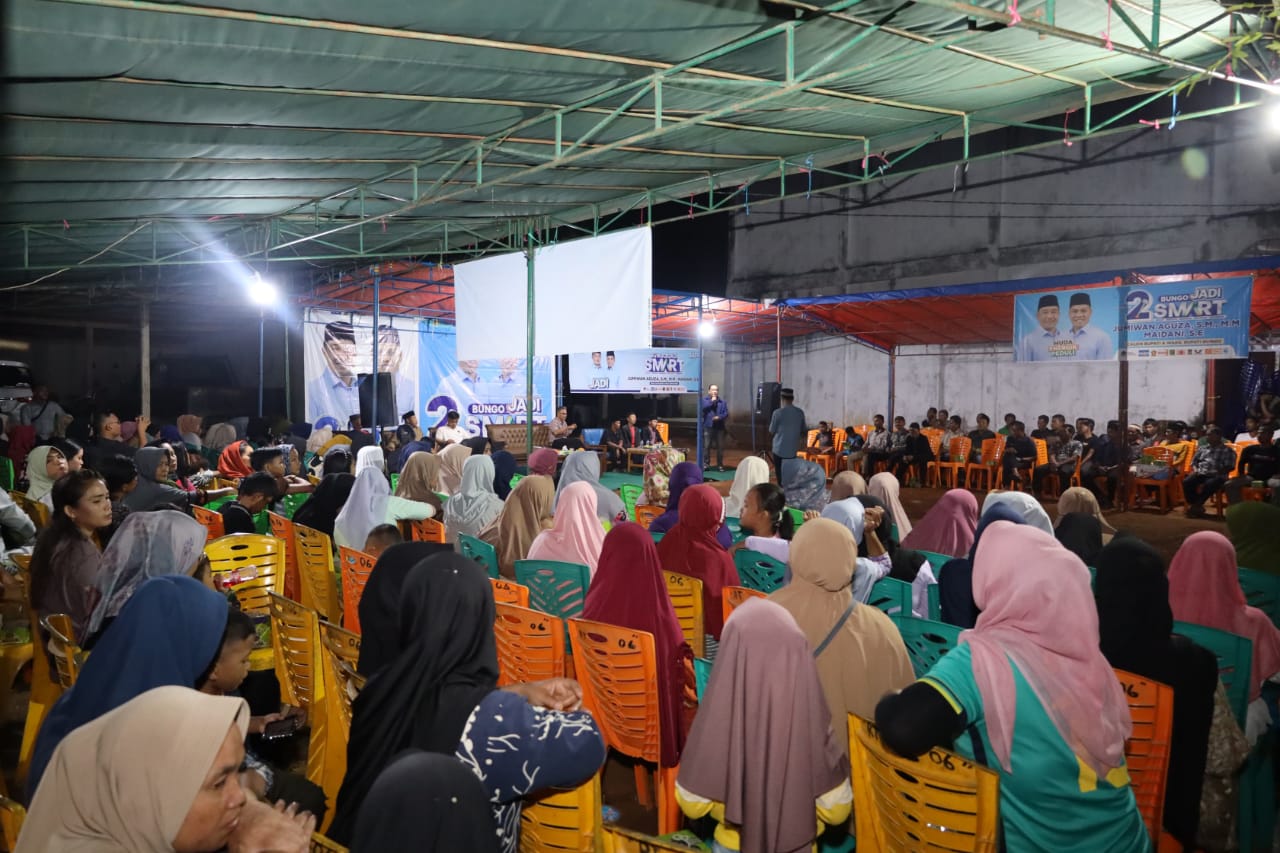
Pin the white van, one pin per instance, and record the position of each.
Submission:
(15, 386)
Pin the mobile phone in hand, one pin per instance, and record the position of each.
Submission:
(280, 729)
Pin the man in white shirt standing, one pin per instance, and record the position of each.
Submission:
(45, 415)
(450, 432)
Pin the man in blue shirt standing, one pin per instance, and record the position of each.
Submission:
(787, 426)
(1092, 344)
(714, 413)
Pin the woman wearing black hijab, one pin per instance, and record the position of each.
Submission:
(379, 605)
(425, 801)
(320, 511)
(1081, 534)
(1135, 625)
(439, 694)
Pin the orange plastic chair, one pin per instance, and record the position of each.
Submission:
(930, 468)
(530, 644)
(282, 529)
(1220, 497)
(1147, 751)
(958, 458)
(562, 820)
(425, 530)
(1168, 490)
(211, 520)
(618, 671)
(355, 568)
(864, 430)
(664, 430)
(241, 552)
(732, 596)
(12, 816)
(509, 592)
(941, 801)
(315, 570)
(988, 469)
(686, 597)
(62, 647)
(646, 513)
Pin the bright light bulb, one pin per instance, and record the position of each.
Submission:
(262, 292)
(706, 329)
(1273, 117)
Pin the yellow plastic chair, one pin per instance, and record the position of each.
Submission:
(45, 690)
(341, 650)
(38, 512)
(618, 840)
(295, 638)
(530, 644)
(62, 646)
(320, 844)
(562, 820)
(618, 670)
(12, 816)
(315, 572)
(241, 552)
(686, 597)
(938, 802)
(282, 529)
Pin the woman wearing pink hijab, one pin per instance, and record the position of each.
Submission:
(1028, 693)
(1204, 589)
(577, 535)
(948, 527)
(885, 486)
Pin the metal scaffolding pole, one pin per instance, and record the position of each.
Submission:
(529, 334)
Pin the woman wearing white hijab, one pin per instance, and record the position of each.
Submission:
(1024, 505)
(371, 457)
(751, 472)
(370, 504)
(475, 507)
(45, 464)
(877, 564)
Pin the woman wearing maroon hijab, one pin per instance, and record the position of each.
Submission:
(691, 548)
(629, 590)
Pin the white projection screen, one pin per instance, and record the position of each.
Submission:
(590, 294)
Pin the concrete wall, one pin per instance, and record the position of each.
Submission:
(840, 380)
(1206, 191)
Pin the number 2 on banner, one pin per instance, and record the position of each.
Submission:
(442, 405)
(1137, 306)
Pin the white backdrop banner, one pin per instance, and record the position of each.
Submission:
(590, 294)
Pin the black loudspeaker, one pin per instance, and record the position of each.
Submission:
(768, 398)
(388, 414)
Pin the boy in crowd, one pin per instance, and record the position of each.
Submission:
(255, 493)
(381, 538)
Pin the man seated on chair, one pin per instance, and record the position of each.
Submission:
(1007, 429)
(953, 428)
(450, 433)
(823, 441)
(917, 454)
(1210, 468)
(615, 440)
(1250, 431)
(979, 435)
(1019, 455)
(1109, 461)
(898, 438)
(1258, 463)
(852, 450)
(1042, 430)
(255, 493)
(876, 448)
(651, 436)
(1062, 461)
(562, 431)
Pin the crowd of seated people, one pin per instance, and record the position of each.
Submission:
(1029, 690)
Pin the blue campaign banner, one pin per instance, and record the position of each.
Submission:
(484, 391)
(1200, 318)
(661, 370)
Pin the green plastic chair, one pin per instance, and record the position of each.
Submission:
(1262, 591)
(936, 560)
(216, 503)
(557, 588)
(6, 474)
(292, 502)
(892, 596)
(657, 537)
(797, 516)
(515, 478)
(759, 571)
(701, 675)
(262, 523)
(735, 528)
(480, 551)
(1235, 661)
(395, 481)
(630, 494)
(935, 602)
(927, 641)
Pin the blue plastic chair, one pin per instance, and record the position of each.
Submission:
(927, 641)
(1261, 590)
(480, 551)
(701, 675)
(759, 571)
(892, 596)
(555, 587)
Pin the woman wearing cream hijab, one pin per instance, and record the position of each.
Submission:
(751, 472)
(865, 657)
(1076, 499)
(158, 774)
(452, 458)
(527, 513)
